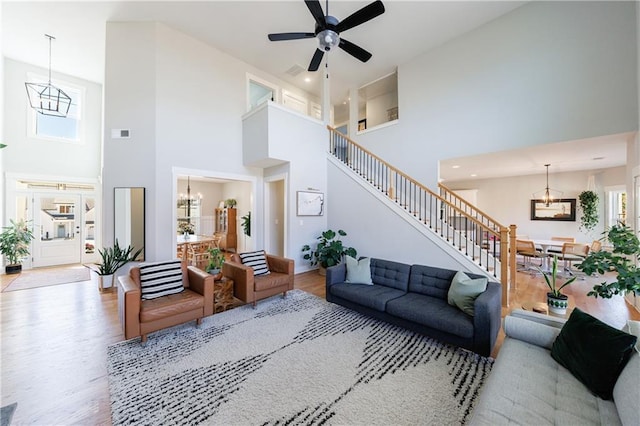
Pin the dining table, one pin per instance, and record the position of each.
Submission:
(183, 242)
(545, 245)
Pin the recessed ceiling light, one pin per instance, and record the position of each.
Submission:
(455, 167)
(307, 79)
(473, 175)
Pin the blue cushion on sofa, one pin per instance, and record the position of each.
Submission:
(371, 296)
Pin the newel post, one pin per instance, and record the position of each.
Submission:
(504, 271)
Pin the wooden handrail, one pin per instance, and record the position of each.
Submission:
(489, 218)
(467, 228)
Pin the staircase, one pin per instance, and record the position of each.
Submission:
(457, 223)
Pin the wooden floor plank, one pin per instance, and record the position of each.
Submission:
(54, 342)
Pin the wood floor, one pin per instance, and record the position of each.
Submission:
(54, 342)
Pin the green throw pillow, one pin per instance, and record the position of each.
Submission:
(358, 272)
(594, 352)
(464, 291)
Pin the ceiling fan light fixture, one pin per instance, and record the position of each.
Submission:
(327, 40)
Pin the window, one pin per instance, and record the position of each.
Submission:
(59, 128)
(616, 207)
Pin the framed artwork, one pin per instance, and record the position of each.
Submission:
(310, 203)
(563, 210)
(362, 125)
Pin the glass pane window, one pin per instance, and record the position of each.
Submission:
(63, 128)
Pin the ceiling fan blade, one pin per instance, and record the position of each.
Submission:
(354, 50)
(316, 11)
(315, 61)
(363, 15)
(289, 36)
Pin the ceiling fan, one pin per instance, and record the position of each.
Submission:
(328, 30)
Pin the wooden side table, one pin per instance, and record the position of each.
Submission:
(222, 294)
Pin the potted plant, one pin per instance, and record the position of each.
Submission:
(556, 301)
(589, 207)
(216, 260)
(623, 259)
(113, 258)
(246, 224)
(230, 203)
(329, 251)
(14, 244)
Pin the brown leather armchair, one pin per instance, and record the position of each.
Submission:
(250, 288)
(140, 317)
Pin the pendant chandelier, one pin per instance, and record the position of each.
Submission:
(548, 196)
(47, 99)
(188, 201)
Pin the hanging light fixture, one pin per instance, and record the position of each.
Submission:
(189, 201)
(548, 195)
(47, 99)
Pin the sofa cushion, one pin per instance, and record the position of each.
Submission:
(626, 392)
(372, 296)
(464, 291)
(358, 271)
(266, 282)
(256, 260)
(390, 274)
(432, 281)
(593, 351)
(432, 312)
(158, 279)
(163, 307)
(526, 386)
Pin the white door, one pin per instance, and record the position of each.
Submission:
(57, 229)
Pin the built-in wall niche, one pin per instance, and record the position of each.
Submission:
(378, 102)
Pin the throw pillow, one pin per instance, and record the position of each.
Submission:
(159, 279)
(464, 291)
(256, 260)
(594, 352)
(358, 271)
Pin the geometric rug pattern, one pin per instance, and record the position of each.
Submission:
(298, 360)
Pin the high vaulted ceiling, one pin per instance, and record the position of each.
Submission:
(406, 30)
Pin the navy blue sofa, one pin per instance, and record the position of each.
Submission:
(415, 297)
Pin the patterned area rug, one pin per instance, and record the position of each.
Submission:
(43, 277)
(299, 360)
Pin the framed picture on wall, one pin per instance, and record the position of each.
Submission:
(362, 125)
(563, 209)
(310, 203)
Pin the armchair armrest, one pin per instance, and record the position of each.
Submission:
(129, 306)
(202, 282)
(487, 318)
(280, 264)
(336, 274)
(242, 277)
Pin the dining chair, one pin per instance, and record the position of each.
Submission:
(527, 249)
(595, 246)
(573, 252)
(198, 254)
(563, 239)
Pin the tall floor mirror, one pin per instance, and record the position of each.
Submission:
(129, 218)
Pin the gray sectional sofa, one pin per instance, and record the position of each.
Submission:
(528, 387)
(415, 297)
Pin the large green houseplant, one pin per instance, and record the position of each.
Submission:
(329, 251)
(14, 244)
(622, 259)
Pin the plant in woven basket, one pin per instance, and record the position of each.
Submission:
(329, 251)
(589, 207)
(623, 259)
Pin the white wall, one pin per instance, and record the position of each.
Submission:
(376, 110)
(508, 200)
(546, 72)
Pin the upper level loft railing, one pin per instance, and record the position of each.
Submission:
(476, 235)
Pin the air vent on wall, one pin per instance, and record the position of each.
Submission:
(120, 133)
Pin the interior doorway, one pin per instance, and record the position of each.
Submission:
(275, 216)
